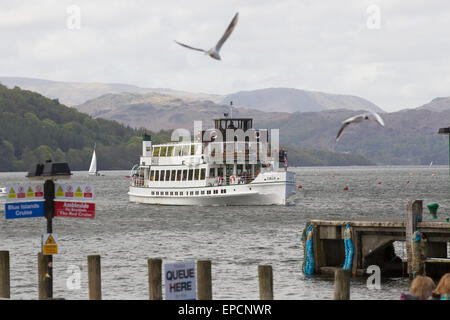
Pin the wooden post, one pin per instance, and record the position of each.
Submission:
(265, 276)
(94, 277)
(42, 277)
(418, 256)
(414, 211)
(204, 283)
(319, 255)
(155, 279)
(342, 284)
(4, 275)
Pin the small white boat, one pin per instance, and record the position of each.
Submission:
(93, 167)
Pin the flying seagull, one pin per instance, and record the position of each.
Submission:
(358, 119)
(214, 52)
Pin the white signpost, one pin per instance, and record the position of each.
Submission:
(180, 281)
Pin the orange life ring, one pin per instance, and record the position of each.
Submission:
(219, 181)
(232, 179)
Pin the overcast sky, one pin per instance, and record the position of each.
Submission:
(395, 53)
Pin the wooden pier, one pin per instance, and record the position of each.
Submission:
(373, 244)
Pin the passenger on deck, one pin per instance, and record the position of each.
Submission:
(421, 289)
(244, 177)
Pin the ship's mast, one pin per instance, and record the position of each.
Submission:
(231, 107)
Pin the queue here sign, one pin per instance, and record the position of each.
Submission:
(180, 281)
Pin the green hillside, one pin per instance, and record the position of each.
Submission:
(34, 129)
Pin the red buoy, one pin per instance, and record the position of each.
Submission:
(299, 186)
(379, 182)
(345, 188)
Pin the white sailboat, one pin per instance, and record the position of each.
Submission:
(93, 167)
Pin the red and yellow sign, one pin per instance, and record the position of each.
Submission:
(70, 209)
(74, 191)
(49, 244)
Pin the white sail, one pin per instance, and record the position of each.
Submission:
(93, 167)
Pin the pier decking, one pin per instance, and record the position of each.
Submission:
(373, 244)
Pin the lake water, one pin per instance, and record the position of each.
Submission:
(235, 239)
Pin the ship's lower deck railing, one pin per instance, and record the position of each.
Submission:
(139, 181)
(230, 180)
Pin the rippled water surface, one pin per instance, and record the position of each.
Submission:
(235, 239)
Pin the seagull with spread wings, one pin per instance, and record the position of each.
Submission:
(360, 118)
(214, 52)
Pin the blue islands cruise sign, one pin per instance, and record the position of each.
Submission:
(31, 209)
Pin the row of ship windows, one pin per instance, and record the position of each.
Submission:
(178, 175)
(188, 193)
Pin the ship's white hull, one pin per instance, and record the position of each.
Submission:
(252, 194)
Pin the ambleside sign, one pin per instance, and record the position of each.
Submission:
(70, 209)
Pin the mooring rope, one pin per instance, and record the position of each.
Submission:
(416, 253)
(308, 254)
(348, 248)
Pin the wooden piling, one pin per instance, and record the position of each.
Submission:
(418, 257)
(43, 282)
(4, 275)
(155, 279)
(414, 211)
(265, 276)
(342, 284)
(204, 283)
(94, 277)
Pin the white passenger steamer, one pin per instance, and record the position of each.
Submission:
(215, 170)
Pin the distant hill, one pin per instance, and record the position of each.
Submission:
(74, 93)
(295, 100)
(267, 100)
(409, 137)
(437, 104)
(159, 111)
